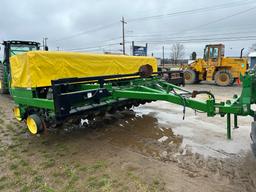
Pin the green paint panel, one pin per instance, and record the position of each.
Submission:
(35, 102)
(27, 93)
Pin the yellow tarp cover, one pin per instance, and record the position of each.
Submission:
(38, 68)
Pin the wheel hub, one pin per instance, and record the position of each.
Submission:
(223, 78)
(188, 76)
(32, 125)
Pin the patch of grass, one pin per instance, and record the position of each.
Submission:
(61, 149)
(14, 154)
(3, 183)
(3, 151)
(10, 127)
(6, 184)
(24, 150)
(57, 174)
(23, 163)
(32, 171)
(17, 173)
(25, 188)
(13, 146)
(45, 142)
(47, 189)
(156, 186)
(84, 168)
(72, 177)
(47, 155)
(99, 165)
(61, 153)
(102, 183)
(3, 179)
(38, 179)
(13, 166)
(1, 121)
(48, 163)
(3, 186)
(37, 184)
(137, 181)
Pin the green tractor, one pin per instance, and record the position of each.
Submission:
(11, 48)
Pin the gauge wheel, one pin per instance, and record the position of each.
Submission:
(223, 78)
(190, 76)
(34, 124)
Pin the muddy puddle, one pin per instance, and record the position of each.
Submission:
(136, 132)
(142, 134)
(157, 127)
(202, 134)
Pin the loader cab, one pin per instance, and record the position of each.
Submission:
(213, 54)
(11, 48)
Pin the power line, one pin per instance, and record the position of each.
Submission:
(93, 47)
(99, 42)
(200, 26)
(241, 38)
(191, 11)
(195, 40)
(99, 28)
(216, 21)
(227, 17)
(167, 32)
(176, 39)
(168, 35)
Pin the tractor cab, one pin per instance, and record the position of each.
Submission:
(11, 48)
(214, 53)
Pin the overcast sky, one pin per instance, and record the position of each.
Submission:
(94, 25)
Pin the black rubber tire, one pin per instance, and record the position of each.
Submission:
(3, 88)
(190, 76)
(233, 82)
(197, 81)
(39, 123)
(223, 78)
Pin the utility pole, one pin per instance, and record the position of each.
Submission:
(163, 56)
(45, 43)
(123, 23)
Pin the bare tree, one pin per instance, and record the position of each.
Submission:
(177, 52)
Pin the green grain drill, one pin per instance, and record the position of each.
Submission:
(89, 96)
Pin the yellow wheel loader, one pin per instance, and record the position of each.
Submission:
(224, 71)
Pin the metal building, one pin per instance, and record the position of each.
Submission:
(252, 59)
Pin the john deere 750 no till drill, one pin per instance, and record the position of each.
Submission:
(51, 87)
